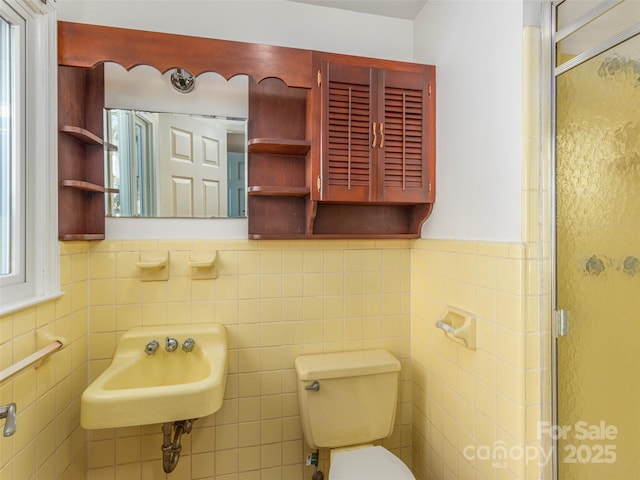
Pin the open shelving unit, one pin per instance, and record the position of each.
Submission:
(278, 187)
(81, 153)
(275, 146)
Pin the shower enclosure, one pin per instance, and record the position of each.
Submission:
(597, 239)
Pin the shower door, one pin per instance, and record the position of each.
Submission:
(598, 264)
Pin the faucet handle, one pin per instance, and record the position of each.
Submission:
(171, 344)
(151, 347)
(9, 412)
(188, 345)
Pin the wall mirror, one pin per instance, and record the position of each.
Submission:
(172, 154)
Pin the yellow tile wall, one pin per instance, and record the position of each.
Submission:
(48, 443)
(301, 298)
(464, 401)
(468, 404)
(277, 299)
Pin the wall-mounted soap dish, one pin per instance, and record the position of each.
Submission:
(459, 325)
(154, 266)
(203, 265)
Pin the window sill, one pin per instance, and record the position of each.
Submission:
(7, 308)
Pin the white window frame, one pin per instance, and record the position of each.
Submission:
(36, 190)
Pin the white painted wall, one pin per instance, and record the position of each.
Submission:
(477, 49)
(272, 22)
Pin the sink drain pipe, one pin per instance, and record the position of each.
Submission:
(171, 449)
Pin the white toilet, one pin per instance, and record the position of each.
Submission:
(347, 401)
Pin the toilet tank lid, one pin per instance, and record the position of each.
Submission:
(345, 364)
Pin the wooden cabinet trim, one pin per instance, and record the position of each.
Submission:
(277, 191)
(87, 45)
(81, 236)
(84, 45)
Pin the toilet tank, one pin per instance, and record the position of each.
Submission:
(356, 399)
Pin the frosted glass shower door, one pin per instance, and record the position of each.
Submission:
(598, 266)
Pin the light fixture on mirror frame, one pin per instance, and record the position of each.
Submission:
(183, 80)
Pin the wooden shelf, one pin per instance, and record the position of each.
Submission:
(83, 135)
(81, 236)
(334, 236)
(279, 191)
(80, 185)
(278, 236)
(279, 146)
(363, 236)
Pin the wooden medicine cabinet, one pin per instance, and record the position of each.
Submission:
(339, 146)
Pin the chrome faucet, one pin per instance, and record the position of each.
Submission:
(9, 412)
(188, 345)
(151, 347)
(171, 344)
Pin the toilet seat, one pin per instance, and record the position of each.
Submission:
(372, 463)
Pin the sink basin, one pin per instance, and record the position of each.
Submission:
(142, 389)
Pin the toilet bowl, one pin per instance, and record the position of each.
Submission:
(369, 463)
(348, 401)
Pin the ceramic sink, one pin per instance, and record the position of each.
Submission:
(145, 385)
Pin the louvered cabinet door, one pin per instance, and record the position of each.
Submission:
(347, 166)
(403, 148)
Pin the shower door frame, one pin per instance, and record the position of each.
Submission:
(556, 70)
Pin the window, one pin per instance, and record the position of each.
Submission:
(28, 246)
(7, 101)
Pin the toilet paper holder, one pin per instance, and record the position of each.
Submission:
(459, 325)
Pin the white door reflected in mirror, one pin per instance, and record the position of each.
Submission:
(193, 168)
(174, 165)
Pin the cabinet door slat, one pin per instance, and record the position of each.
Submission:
(348, 132)
(404, 146)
